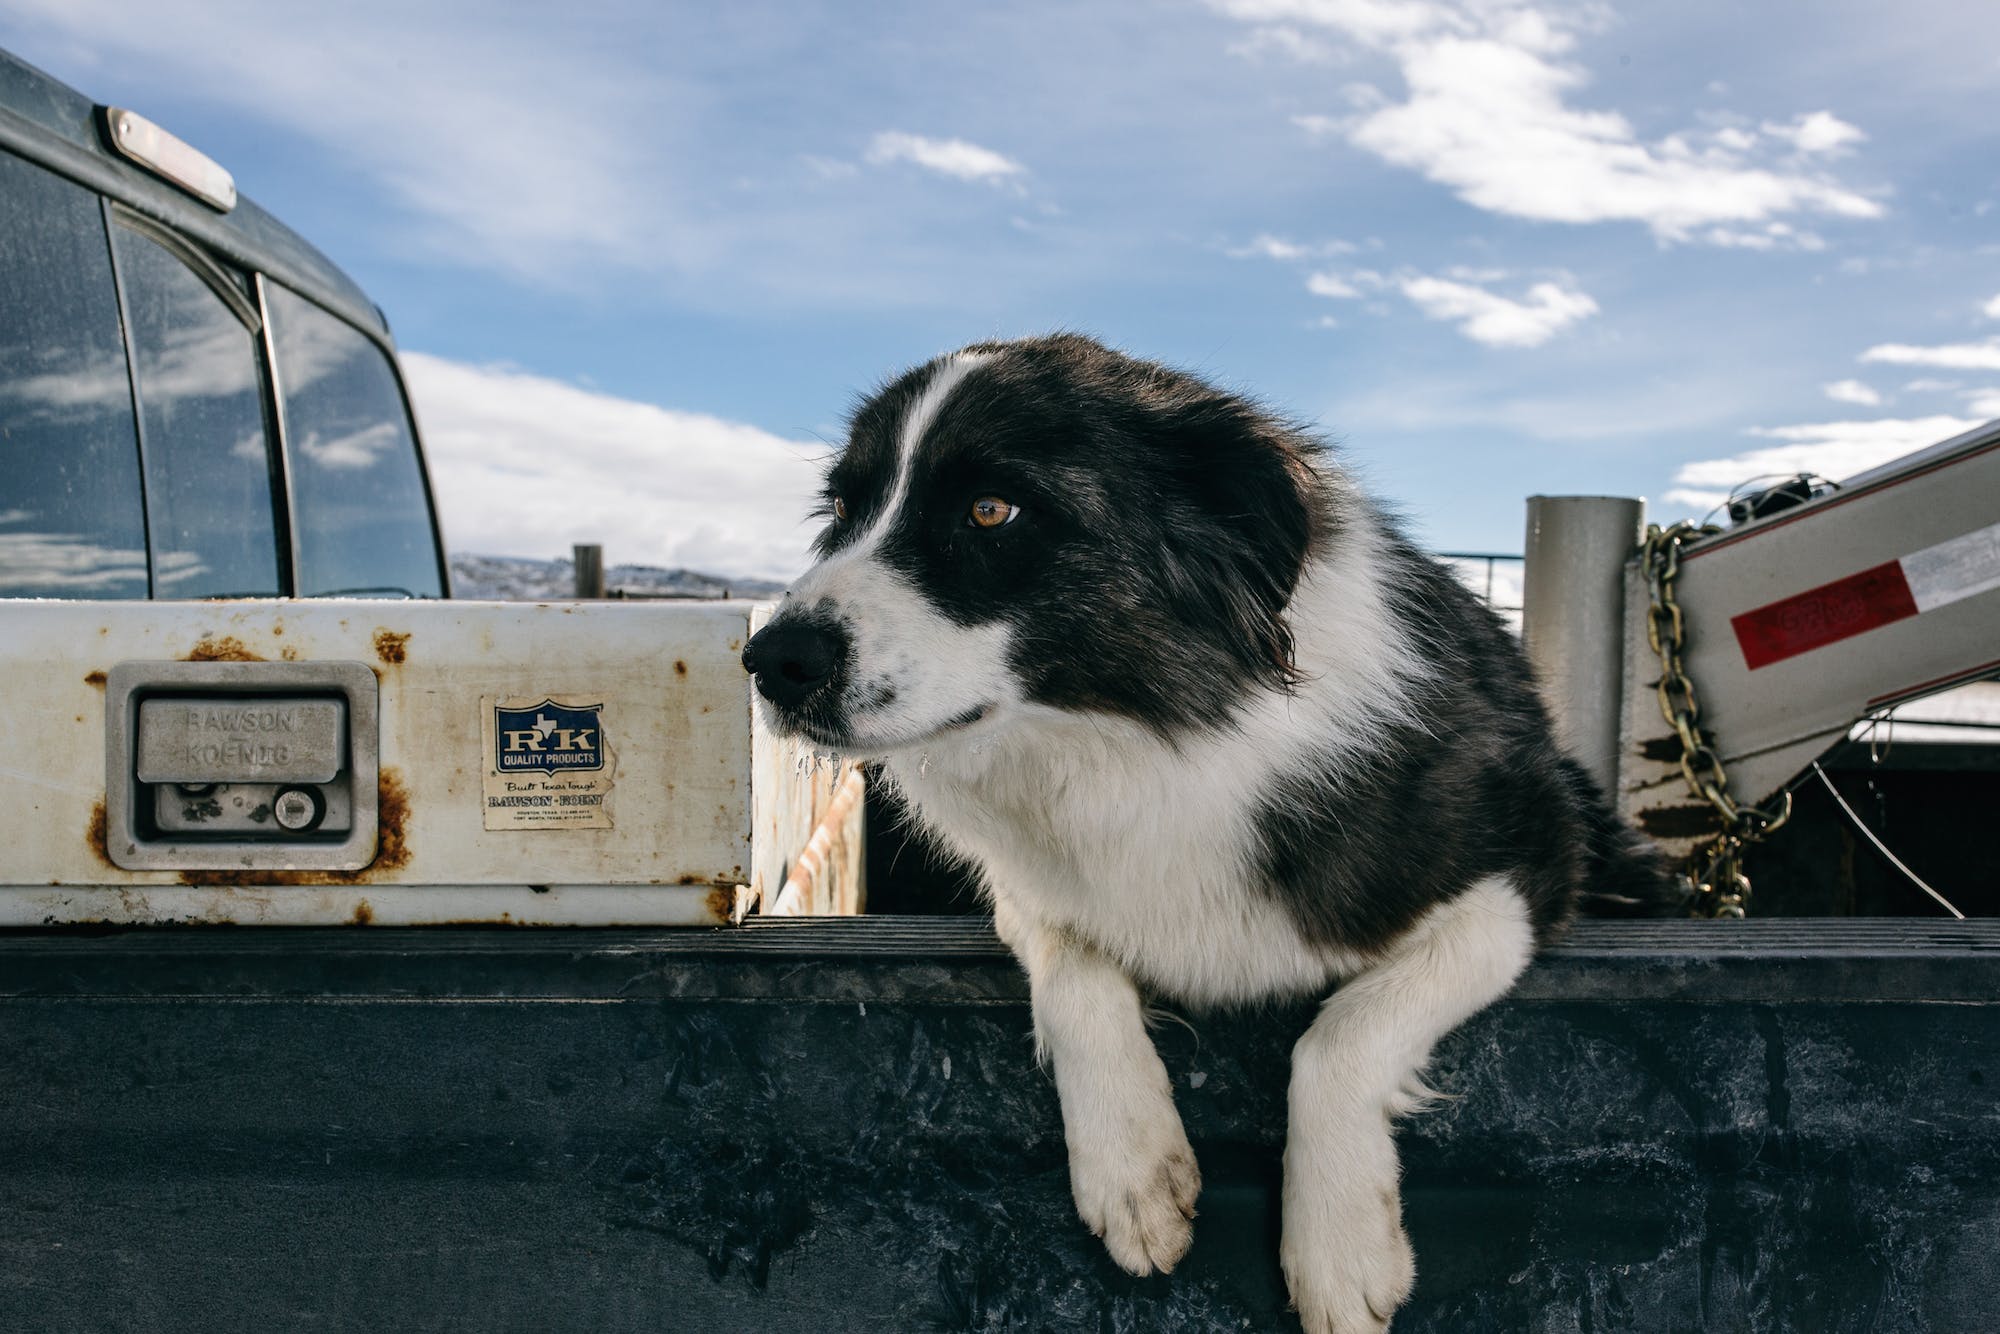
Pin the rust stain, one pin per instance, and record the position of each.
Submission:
(721, 902)
(392, 853)
(392, 647)
(278, 630)
(680, 668)
(93, 837)
(1689, 820)
(688, 880)
(392, 849)
(289, 654)
(364, 914)
(222, 648)
(94, 679)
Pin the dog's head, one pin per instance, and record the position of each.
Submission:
(1043, 522)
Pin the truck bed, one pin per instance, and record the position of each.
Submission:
(822, 1125)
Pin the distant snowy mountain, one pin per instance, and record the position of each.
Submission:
(518, 579)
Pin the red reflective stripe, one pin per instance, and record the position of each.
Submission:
(1824, 615)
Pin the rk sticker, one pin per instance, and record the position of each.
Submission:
(549, 763)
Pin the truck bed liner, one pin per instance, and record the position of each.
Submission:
(822, 1125)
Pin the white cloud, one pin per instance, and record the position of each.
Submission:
(1852, 391)
(1949, 356)
(1488, 114)
(1992, 308)
(494, 135)
(1497, 321)
(1816, 132)
(1266, 246)
(1372, 21)
(1333, 286)
(830, 169)
(948, 157)
(1288, 42)
(65, 565)
(1832, 449)
(527, 466)
(353, 451)
(1984, 402)
(1269, 247)
(1770, 236)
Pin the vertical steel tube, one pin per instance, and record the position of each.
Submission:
(589, 570)
(1573, 617)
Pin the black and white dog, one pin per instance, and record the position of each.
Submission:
(1210, 729)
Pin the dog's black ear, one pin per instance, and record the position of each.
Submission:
(1262, 507)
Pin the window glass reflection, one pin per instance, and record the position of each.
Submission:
(209, 502)
(364, 523)
(71, 523)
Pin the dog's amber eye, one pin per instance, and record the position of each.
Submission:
(991, 512)
(840, 509)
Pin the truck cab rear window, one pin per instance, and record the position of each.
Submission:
(358, 498)
(195, 362)
(71, 523)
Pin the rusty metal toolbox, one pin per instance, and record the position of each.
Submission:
(305, 762)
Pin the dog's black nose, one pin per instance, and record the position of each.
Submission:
(793, 659)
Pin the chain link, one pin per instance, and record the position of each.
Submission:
(1717, 884)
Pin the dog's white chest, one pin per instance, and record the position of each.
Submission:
(1152, 869)
(1193, 935)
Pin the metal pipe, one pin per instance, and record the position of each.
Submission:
(589, 569)
(1573, 617)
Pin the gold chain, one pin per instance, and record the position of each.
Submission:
(1719, 887)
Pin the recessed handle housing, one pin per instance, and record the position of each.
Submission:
(241, 765)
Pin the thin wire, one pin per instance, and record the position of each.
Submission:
(1882, 848)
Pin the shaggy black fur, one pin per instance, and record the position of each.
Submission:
(1479, 788)
(1163, 527)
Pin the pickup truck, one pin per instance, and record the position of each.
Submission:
(371, 960)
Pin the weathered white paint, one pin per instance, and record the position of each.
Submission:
(677, 717)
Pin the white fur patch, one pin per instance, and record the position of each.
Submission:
(910, 437)
(1346, 1258)
(1147, 848)
(1131, 1170)
(913, 670)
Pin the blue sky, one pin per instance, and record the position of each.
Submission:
(641, 258)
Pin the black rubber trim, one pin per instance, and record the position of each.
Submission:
(932, 959)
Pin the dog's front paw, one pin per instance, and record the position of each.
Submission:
(1348, 1262)
(1136, 1190)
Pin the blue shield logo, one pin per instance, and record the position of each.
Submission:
(549, 737)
